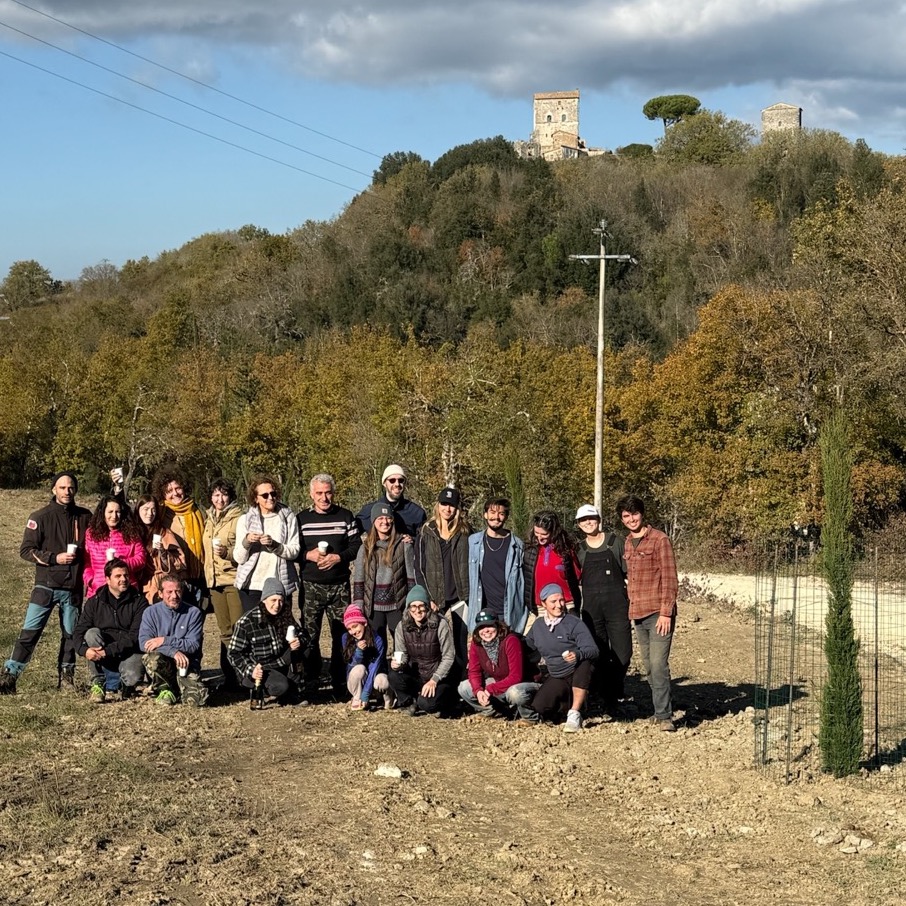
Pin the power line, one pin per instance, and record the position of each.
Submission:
(180, 100)
(168, 119)
(189, 78)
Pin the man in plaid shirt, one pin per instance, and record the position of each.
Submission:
(653, 586)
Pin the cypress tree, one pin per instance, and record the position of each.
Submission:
(840, 734)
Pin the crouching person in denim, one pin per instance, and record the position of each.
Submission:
(495, 687)
(106, 635)
(171, 637)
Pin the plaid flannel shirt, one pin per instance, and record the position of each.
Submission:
(651, 576)
(256, 642)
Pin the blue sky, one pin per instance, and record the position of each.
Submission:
(86, 178)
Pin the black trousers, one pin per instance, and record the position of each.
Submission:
(407, 684)
(608, 622)
(556, 693)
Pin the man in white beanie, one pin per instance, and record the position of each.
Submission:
(408, 516)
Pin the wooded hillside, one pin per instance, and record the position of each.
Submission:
(439, 321)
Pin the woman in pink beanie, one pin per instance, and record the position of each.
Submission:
(366, 662)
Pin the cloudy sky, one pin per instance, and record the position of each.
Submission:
(109, 152)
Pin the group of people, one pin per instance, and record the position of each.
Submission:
(424, 614)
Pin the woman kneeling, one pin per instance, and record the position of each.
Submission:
(366, 665)
(422, 658)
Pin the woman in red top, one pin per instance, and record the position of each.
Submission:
(495, 687)
(550, 557)
(110, 536)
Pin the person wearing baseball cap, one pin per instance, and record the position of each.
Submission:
(605, 605)
(408, 515)
(495, 686)
(54, 543)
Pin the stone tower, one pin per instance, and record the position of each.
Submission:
(556, 123)
(781, 117)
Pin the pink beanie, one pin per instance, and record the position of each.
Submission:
(353, 614)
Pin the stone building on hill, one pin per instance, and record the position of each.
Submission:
(556, 128)
(781, 118)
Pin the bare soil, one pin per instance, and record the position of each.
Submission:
(140, 805)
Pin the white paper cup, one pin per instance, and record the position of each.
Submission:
(322, 547)
(155, 540)
(399, 657)
(183, 672)
(71, 548)
(111, 553)
(290, 633)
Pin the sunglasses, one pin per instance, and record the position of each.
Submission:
(267, 495)
(396, 481)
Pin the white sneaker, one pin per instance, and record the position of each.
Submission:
(573, 722)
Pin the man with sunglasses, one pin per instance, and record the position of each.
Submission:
(408, 517)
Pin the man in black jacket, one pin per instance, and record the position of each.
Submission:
(107, 635)
(54, 541)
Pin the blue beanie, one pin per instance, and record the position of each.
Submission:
(550, 589)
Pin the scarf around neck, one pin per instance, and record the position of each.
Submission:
(193, 522)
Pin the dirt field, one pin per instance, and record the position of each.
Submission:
(143, 806)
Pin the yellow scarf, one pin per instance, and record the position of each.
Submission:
(193, 523)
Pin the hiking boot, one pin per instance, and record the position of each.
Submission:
(96, 694)
(7, 682)
(411, 709)
(66, 680)
(113, 695)
(389, 701)
(573, 722)
(526, 722)
(165, 697)
(666, 726)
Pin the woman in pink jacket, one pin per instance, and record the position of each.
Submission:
(110, 535)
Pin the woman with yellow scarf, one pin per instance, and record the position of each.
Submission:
(183, 517)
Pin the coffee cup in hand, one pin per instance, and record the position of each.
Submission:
(322, 547)
(156, 541)
(71, 548)
(111, 553)
(290, 633)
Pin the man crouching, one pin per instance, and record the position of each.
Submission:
(106, 635)
(171, 637)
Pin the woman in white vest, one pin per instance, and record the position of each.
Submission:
(267, 542)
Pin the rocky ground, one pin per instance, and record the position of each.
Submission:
(132, 803)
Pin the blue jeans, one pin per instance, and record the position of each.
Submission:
(518, 696)
(40, 607)
(655, 650)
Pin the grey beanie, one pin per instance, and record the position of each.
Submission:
(272, 586)
(552, 588)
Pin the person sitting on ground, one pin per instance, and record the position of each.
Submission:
(495, 685)
(171, 637)
(366, 664)
(422, 658)
(267, 644)
(568, 652)
(106, 635)
(109, 536)
(163, 551)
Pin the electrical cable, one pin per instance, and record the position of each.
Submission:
(174, 122)
(180, 100)
(189, 78)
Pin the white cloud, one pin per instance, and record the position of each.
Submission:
(843, 55)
